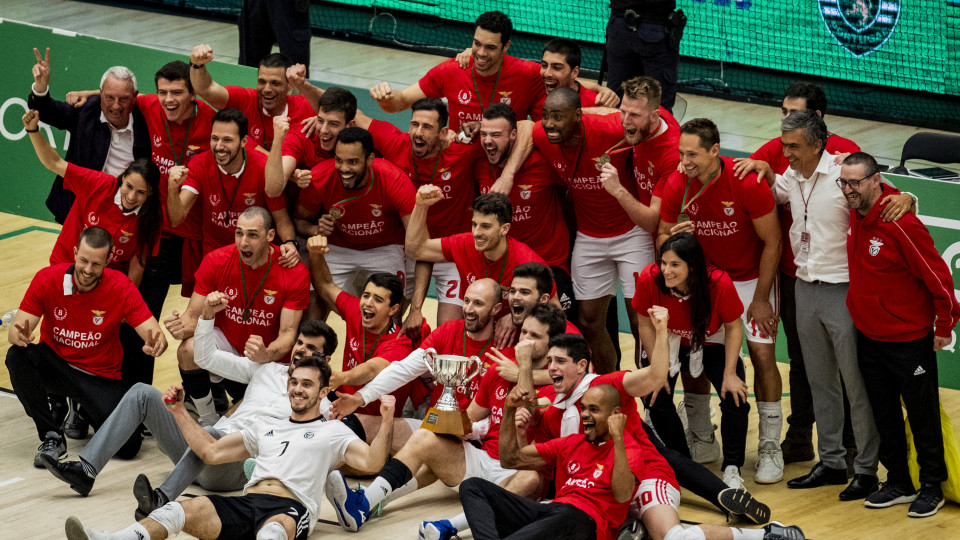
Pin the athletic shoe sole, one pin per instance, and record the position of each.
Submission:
(927, 514)
(74, 529)
(51, 465)
(741, 503)
(143, 492)
(336, 492)
(905, 499)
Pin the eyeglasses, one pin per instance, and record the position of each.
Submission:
(852, 184)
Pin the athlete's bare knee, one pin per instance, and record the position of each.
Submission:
(185, 355)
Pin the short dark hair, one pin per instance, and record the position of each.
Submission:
(262, 213)
(501, 110)
(432, 104)
(317, 361)
(537, 271)
(276, 60)
(150, 217)
(575, 346)
(178, 70)
(355, 134)
(815, 97)
(703, 128)
(568, 48)
(390, 282)
(314, 329)
(96, 237)
(496, 204)
(229, 115)
(565, 97)
(809, 122)
(552, 316)
(337, 99)
(870, 166)
(495, 22)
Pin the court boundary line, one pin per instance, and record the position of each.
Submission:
(25, 230)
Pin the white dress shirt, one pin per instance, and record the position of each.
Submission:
(120, 153)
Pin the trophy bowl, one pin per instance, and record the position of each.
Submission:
(450, 371)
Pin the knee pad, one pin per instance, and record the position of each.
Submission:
(272, 531)
(170, 516)
(679, 532)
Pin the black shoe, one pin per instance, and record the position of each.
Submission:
(861, 486)
(70, 472)
(929, 500)
(75, 426)
(740, 503)
(778, 531)
(53, 445)
(148, 499)
(796, 452)
(820, 475)
(890, 494)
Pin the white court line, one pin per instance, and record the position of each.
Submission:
(10, 481)
(943, 223)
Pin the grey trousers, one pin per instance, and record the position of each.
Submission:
(143, 404)
(829, 342)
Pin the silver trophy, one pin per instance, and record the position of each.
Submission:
(451, 371)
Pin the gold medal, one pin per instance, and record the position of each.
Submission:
(336, 213)
(683, 218)
(604, 159)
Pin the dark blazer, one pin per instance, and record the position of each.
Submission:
(89, 141)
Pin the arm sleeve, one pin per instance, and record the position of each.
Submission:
(551, 450)
(56, 113)
(299, 295)
(82, 180)
(250, 441)
(206, 277)
(208, 357)
(135, 309)
(394, 376)
(925, 262)
(670, 206)
(432, 83)
(32, 302)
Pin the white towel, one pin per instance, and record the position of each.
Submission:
(570, 423)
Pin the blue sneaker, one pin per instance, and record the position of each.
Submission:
(351, 505)
(437, 530)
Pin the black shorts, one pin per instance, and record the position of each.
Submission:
(241, 517)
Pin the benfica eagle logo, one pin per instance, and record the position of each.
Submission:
(860, 26)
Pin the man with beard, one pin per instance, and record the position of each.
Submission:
(530, 287)
(266, 305)
(363, 203)
(79, 354)
(293, 455)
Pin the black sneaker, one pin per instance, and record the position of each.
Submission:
(148, 499)
(53, 445)
(740, 503)
(890, 494)
(928, 501)
(75, 426)
(70, 472)
(778, 531)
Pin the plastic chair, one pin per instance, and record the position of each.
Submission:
(935, 147)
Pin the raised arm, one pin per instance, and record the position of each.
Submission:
(624, 481)
(418, 244)
(179, 200)
(646, 217)
(278, 167)
(47, 154)
(182, 326)
(320, 275)
(392, 101)
(519, 154)
(227, 449)
(205, 352)
(648, 379)
(203, 84)
(297, 77)
(511, 455)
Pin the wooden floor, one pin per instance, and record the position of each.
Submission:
(34, 505)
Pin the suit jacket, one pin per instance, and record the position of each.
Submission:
(89, 141)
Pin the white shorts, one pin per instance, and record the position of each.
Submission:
(446, 279)
(653, 492)
(352, 267)
(745, 290)
(598, 262)
(481, 465)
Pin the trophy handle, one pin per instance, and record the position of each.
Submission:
(474, 360)
(428, 355)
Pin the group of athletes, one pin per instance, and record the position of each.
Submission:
(528, 196)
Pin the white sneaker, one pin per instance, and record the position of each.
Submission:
(703, 450)
(732, 478)
(769, 463)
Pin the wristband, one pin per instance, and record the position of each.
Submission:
(32, 130)
(195, 66)
(179, 398)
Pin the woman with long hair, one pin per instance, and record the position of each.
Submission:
(705, 338)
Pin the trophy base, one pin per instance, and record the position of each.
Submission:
(447, 422)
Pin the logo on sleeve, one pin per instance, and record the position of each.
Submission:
(97, 317)
(875, 245)
(269, 297)
(727, 207)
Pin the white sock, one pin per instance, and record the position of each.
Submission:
(771, 421)
(133, 532)
(205, 407)
(405, 489)
(459, 522)
(747, 534)
(378, 490)
(698, 414)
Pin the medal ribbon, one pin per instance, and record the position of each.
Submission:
(364, 194)
(482, 349)
(503, 266)
(476, 88)
(263, 125)
(363, 341)
(243, 279)
(583, 139)
(684, 204)
(235, 190)
(178, 160)
(416, 172)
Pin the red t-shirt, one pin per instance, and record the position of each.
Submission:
(518, 84)
(261, 123)
(537, 208)
(588, 98)
(373, 220)
(449, 338)
(491, 394)
(84, 328)
(167, 147)
(283, 288)
(723, 214)
(656, 159)
(772, 153)
(223, 197)
(598, 214)
(96, 207)
(725, 305)
(306, 150)
(585, 477)
(473, 265)
(451, 170)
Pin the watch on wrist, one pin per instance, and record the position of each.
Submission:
(295, 242)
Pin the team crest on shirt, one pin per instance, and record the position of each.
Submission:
(92, 219)
(650, 168)
(525, 191)
(445, 174)
(60, 313)
(860, 26)
(214, 199)
(598, 471)
(249, 198)
(124, 236)
(231, 293)
(875, 245)
(157, 141)
(192, 150)
(308, 435)
(572, 468)
(501, 393)
(269, 297)
(375, 209)
(97, 317)
(464, 97)
(505, 97)
(727, 207)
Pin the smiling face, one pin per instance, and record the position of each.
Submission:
(176, 99)
(117, 98)
(272, 88)
(425, 133)
(675, 271)
(88, 265)
(563, 370)
(304, 390)
(802, 155)
(487, 231)
(496, 137)
(487, 51)
(375, 308)
(352, 164)
(865, 195)
(252, 240)
(594, 412)
(306, 346)
(134, 191)
(639, 119)
(522, 297)
(227, 145)
(539, 333)
(556, 72)
(696, 160)
(479, 306)
(329, 126)
(560, 123)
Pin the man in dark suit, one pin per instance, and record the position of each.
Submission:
(107, 132)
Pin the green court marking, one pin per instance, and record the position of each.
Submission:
(26, 230)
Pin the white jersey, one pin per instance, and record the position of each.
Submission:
(298, 454)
